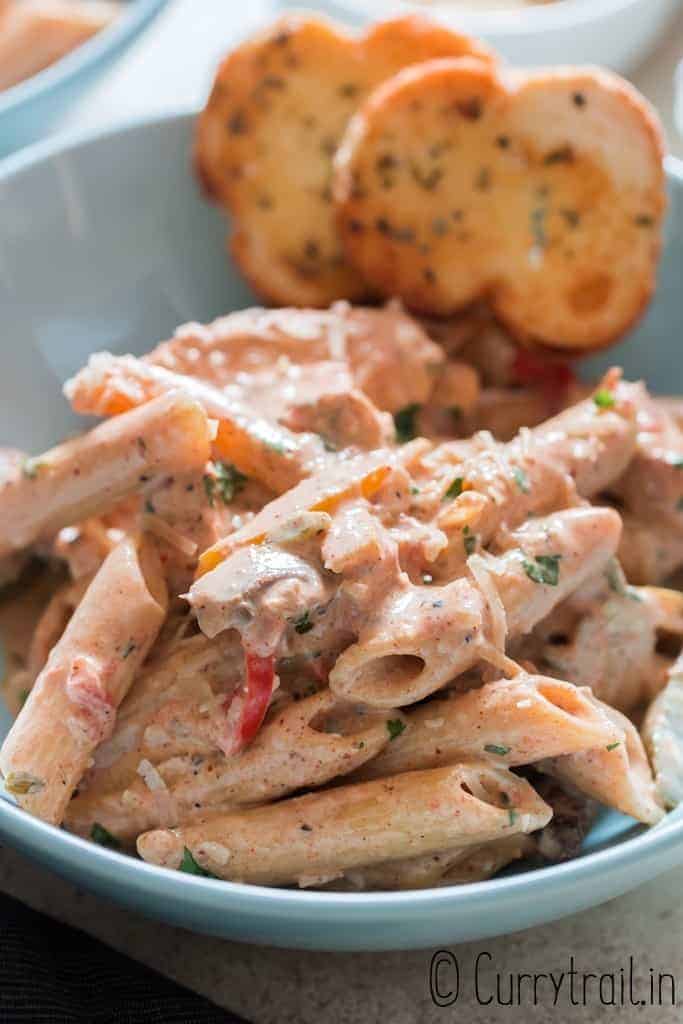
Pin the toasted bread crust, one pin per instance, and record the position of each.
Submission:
(266, 140)
(542, 192)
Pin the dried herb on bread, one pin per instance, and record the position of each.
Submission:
(266, 141)
(541, 192)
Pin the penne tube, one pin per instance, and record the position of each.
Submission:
(303, 745)
(452, 867)
(650, 551)
(36, 33)
(542, 470)
(423, 637)
(196, 666)
(266, 451)
(515, 721)
(390, 356)
(72, 706)
(663, 737)
(85, 476)
(595, 441)
(315, 838)
(617, 775)
(612, 647)
(361, 476)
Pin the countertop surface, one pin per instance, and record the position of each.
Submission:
(633, 934)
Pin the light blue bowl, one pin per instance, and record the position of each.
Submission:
(28, 109)
(106, 243)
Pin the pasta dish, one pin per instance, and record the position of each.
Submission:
(385, 622)
(367, 595)
(36, 33)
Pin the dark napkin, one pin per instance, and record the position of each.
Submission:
(52, 974)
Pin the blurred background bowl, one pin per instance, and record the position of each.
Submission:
(28, 109)
(618, 34)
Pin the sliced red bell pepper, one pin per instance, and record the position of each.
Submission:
(553, 377)
(247, 707)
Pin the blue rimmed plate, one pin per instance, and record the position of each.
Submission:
(106, 243)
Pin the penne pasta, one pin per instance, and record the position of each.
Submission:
(72, 706)
(452, 867)
(303, 745)
(401, 656)
(617, 774)
(663, 737)
(515, 721)
(315, 838)
(86, 476)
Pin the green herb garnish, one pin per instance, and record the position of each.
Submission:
(543, 569)
(225, 483)
(149, 508)
(30, 467)
(494, 748)
(613, 746)
(604, 399)
(395, 727)
(128, 650)
(99, 834)
(469, 541)
(617, 581)
(455, 490)
(190, 866)
(303, 623)
(521, 479)
(404, 422)
(512, 815)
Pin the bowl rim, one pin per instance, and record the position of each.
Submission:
(125, 27)
(37, 836)
(541, 17)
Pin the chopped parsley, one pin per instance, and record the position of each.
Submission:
(128, 650)
(414, 490)
(604, 399)
(543, 569)
(275, 446)
(521, 479)
(512, 815)
(455, 489)
(469, 541)
(30, 467)
(495, 748)
(617, 581)
(225, 483)
(613, 746)
(404, 422)
(395, 727)
(149, 508)
(99, 834)
(190, 866)
(303, 623)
